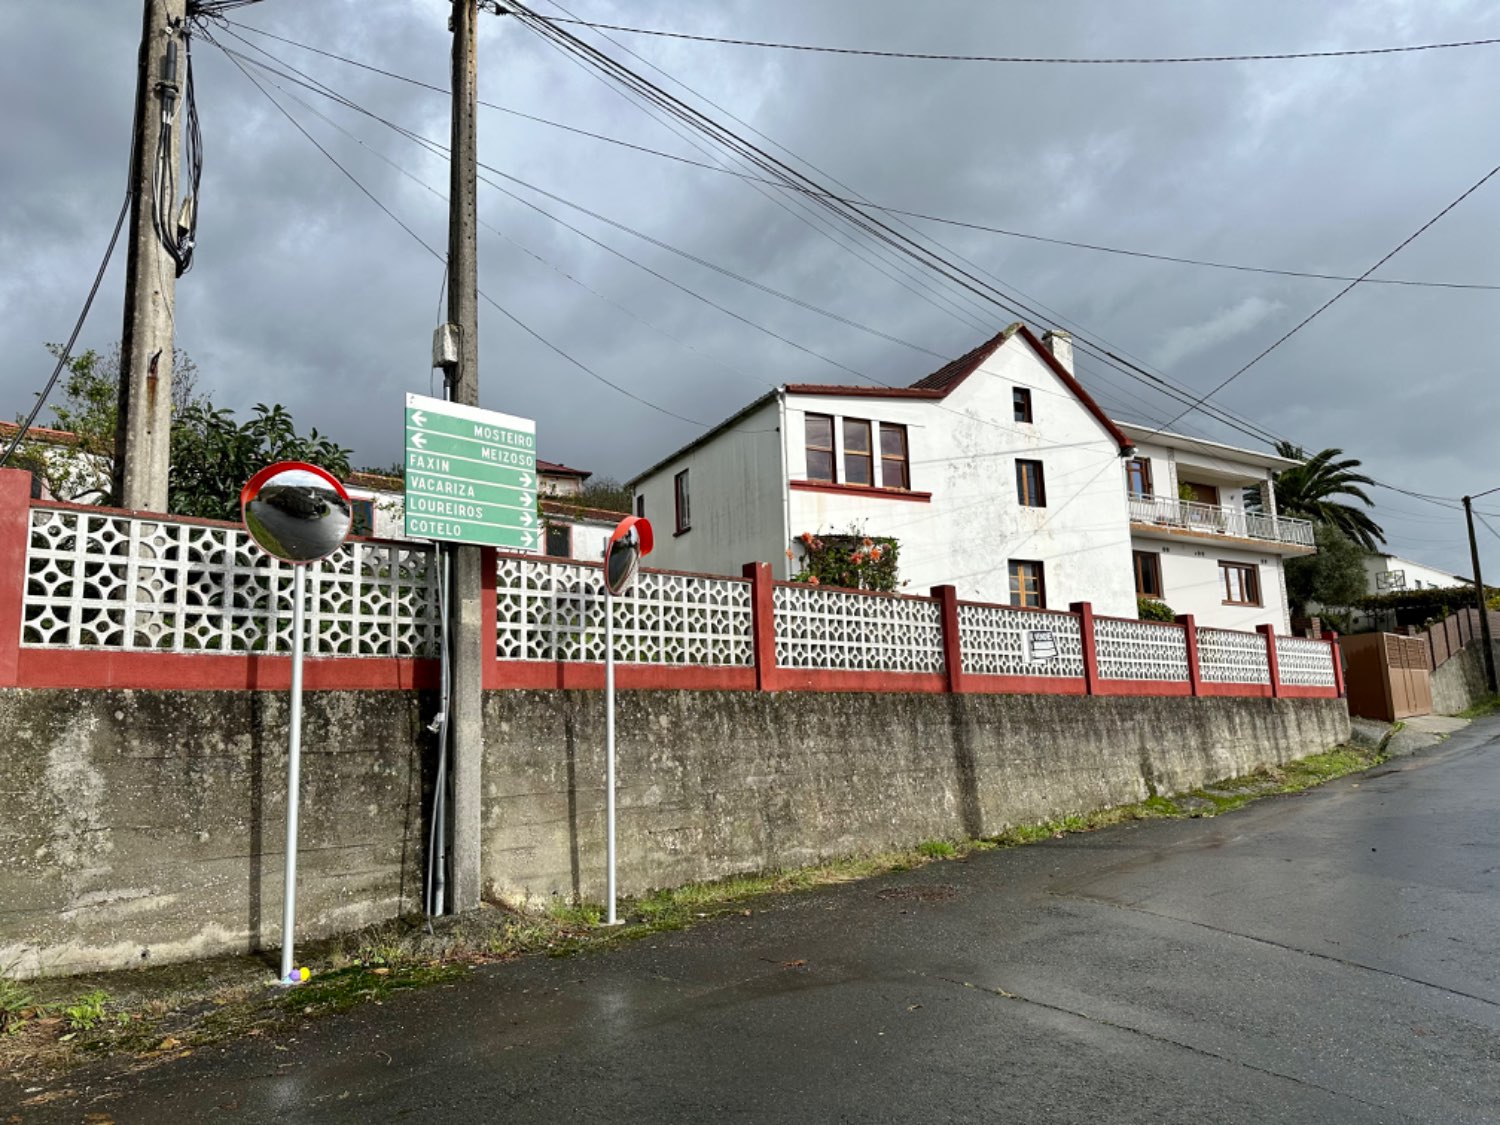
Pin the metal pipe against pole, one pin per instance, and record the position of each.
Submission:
(609, 748)
(293, 776)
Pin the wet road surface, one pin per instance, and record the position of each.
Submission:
(1329, 957)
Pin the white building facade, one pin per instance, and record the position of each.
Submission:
(997, 474)
(1197, 543)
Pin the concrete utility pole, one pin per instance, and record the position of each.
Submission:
(466, 704)
(144, 425)
(1484, 613)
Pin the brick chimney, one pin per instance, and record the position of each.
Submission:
(1061, 345)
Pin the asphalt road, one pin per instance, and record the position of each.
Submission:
(1330, 957)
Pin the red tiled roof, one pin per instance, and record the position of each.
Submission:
(41, 433)
(860, 392)
(946, 379)
(951, 374)
(553, 469)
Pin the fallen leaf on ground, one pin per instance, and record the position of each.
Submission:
(800, 963)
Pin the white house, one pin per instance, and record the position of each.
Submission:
(1196, 544)
(998, 474)
(1386, 574)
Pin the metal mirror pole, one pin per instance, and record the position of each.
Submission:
(609, 745)
(293, 775)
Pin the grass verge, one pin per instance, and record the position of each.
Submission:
(49, 1026)
(1486, 705)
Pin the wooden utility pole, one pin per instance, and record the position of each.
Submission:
(466, 704)
(144, 425)
(1484, 614)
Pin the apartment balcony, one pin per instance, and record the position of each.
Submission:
(1175, 518)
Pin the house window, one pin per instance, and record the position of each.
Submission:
(1027, 587)
(1147, 574)
(684, 513)
(820, 455)
(1020, 398)
(560, 540)
(1138, 476)
(640, 505)
(364, 517)
(895, 468)
(1201, 493)
(859, 460)
(1030, 490)
(1241, 583)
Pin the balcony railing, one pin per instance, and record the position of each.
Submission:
(1210, 519)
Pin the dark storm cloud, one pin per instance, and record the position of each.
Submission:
(304, 293)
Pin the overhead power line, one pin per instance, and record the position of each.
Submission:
(1326, 305)
(935, 262)
(442, 258)
(1144, 60)
(66, 353)
(963, 224)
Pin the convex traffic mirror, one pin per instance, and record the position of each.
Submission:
(622, 554)
(296, 512)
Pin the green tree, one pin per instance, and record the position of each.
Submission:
(88, 408)
(213, 456)
(1333, 578)
(1312, 490)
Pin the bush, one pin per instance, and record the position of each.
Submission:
(854, 561)
(1149, 609)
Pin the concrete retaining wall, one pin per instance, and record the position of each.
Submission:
(717, 783)
(140, 827)
(1458, 683)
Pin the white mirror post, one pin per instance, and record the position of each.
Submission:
(299, 514)
(293, 777)
(609, 750)
(622, 555)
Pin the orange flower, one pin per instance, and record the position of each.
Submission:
(876, 552)
(857, 558)
(807, 538)
(867, 542)
(813, 580)
(789, 553)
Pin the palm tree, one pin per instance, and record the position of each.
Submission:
(1309, 490)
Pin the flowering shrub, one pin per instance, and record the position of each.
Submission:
(854, 561)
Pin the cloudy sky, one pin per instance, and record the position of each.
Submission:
(304, 293)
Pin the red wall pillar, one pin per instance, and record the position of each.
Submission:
(1085, 611)
(953, 655)
(762, 623)
(15, 531)
(488, 630)
(1335, 650)
(1195, 670)
(1269, 632)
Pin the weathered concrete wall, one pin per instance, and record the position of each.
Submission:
(139, 827)
(1458, 683)
(717, 783)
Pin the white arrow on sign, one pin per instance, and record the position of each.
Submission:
(419, 440)
(526, 519)
(419, 418)
(525, 480)
(524, 498)
(528, 539)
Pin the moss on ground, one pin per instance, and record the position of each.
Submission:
(48, 1026)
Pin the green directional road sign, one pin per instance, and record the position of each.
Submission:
(470, 475)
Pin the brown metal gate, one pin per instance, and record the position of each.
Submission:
(1387, 676)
